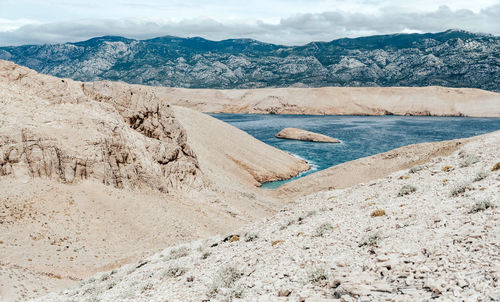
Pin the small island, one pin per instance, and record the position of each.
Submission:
(304, 135)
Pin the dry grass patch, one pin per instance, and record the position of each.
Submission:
(447, 168)
(378, 213)
(496, 167)
(277, 242)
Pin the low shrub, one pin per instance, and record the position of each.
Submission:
(226, 277)
(468, 160)
(323, 229)
(480, 175)
(174, 271)
(406, 189)
(251, 237)
(179, 252)
(417, 168)
(460, 189)
(370, 239)
(480, 206)
(318, 275)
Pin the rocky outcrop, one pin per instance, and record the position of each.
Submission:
(119, 134)
(71, 132)
(304, 135)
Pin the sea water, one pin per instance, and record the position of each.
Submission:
(360, 136)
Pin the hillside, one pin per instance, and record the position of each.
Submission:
(453, 59)
(93, 177)
(429, 232)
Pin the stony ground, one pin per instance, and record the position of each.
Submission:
(428, 233)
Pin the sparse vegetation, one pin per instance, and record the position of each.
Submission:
(417, 168)
(370, 239)
(318, 275)
(496, 167)
(311, 213)
(226, 277)
(179, 252)
(468, 160)
(289, 223)
(447, 168)
(378, 213)
(205, 255)
(323, 229)
(406, 189)
(460, 189)
(481, 205)
(481, 175)
(174, 271)
(251, 237)
(276, 242)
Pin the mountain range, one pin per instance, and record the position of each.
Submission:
(453, 58)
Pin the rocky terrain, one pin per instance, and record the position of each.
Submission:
(453, 59)
(428, 232)
(93, 176)
(96, 177)
(304, 135)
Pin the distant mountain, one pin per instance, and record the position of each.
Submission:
(452, 58)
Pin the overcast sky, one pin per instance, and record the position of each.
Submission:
(290, 22)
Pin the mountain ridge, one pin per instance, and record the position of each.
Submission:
(454, 58)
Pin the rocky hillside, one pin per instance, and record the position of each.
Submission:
(428, 232)
(96, 175)
(452, 58)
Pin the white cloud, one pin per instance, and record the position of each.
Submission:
(298, 28)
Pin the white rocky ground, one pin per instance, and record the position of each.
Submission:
(434, 242)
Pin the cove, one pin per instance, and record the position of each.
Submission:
(360, 136)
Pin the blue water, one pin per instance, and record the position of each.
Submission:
(360, 136)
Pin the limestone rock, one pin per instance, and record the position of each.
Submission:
(304, 135)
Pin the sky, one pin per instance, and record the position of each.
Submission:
(287, 22)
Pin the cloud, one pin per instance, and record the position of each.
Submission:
(294, 30)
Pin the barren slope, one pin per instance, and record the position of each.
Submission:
(93, 176)
(341, 100)
(431, 232)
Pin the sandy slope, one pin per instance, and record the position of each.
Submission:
(95, 176)
(415, 235)
(340, 100)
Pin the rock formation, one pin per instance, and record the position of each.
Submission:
(96, 175)
(304, 135)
